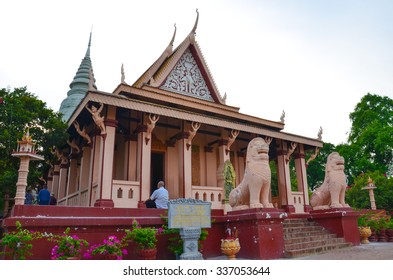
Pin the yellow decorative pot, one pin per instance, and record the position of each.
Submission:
(365, 233)
(230, 247)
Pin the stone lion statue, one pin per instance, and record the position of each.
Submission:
(331, 194)
(254, 189)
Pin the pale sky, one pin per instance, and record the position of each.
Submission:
(313, 59)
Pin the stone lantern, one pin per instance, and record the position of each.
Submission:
(370, 187)
(26, 152)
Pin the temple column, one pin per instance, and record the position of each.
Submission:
(185, 165)
(172, 170)
(144, 156)
(240, 167)
(105, 175)
(284, 177)
(211, 165)
(72, 174)
(55, 181)
(85, 168)
(49, 180)
(84, 176)
(301, 176)
(143, 165)
(63, 179)
(130, 163)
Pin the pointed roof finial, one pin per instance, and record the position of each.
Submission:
(122, 74)
(320, 133)
(88, 46)
(83, 81)
(168, 50)
(282, 118)
(173, 37)
(196, 23)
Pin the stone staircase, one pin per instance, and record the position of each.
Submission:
(303, 237)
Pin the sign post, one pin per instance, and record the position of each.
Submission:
(189, 215)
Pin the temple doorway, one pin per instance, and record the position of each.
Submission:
(157, 170)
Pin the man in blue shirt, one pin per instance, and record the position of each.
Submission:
(44, 196)
(159, 198)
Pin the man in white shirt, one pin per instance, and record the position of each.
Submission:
(159, 198)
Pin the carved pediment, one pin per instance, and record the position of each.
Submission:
(186, 78)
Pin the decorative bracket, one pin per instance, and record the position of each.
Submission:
(153, 118)
(74, 146)
(231, 139)
(97, 118)
(313, 156)
(290, 152)
(268, 140)
(192, 132)
(82, 132)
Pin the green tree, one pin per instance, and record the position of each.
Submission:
(371, 135)
(20, 109)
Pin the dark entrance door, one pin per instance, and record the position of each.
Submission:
(157, 170)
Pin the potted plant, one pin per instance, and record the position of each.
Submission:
(19, 243)
(389, 230)
(382, 226)
(229, 178)
(374, 226)
(111, 248)
(364, 229)
(68, 246)
(145, 238)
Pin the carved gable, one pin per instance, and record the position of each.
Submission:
(187, 79)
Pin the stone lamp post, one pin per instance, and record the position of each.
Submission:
(26, 152)
(370, 187)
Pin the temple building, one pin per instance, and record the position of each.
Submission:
(171, 124)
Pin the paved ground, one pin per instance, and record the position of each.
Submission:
(371, 251)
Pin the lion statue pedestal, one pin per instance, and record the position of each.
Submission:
(253, 191)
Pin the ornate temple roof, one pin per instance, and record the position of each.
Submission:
(179, 85)
(183, 70)
(82, 82)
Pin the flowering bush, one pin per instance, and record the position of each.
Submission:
(19, 242)
(110, 246)
(68, 246)
(144, 237)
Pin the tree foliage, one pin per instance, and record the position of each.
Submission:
(367, 153)
(20, 109)
(371, 135)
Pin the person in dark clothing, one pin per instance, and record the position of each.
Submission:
(44, 196)
(29, 197)
(53, 200)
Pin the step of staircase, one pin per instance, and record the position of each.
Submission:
(304, 237)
